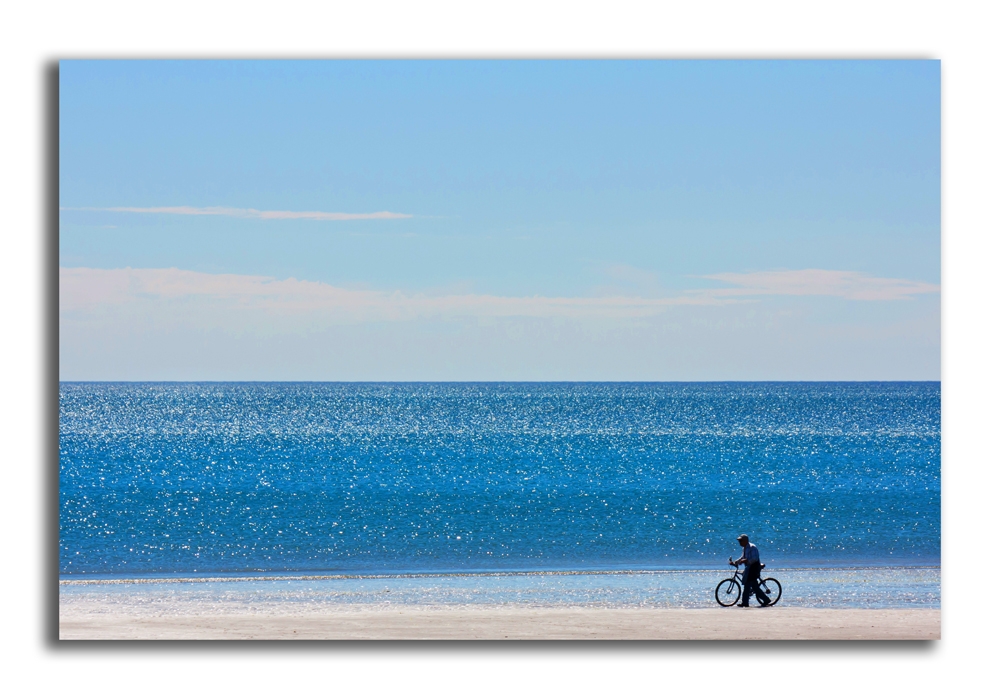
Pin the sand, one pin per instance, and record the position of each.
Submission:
(517, 623)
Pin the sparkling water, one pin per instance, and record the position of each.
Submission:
(870, 588)
(389, 478)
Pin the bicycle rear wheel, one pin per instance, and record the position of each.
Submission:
(728, 592)
(771, 588)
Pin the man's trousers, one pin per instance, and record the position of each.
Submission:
(750, 577)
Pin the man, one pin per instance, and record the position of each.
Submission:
(751, 557)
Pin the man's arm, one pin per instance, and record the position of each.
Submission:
(743, 558)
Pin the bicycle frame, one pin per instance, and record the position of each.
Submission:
(738, 577)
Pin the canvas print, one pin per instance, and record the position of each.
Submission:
(499, 349)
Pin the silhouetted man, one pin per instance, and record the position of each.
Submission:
(751, 557)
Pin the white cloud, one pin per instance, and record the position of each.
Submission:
(244, 213)
(818, 282)
(171, 324)
(83, 288)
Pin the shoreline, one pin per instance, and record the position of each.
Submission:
(513, 623)
(873, 603)
(868, 588)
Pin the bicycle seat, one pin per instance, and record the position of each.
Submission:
(763, 566)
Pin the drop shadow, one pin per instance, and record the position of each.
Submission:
(510, 648)
(50, 352)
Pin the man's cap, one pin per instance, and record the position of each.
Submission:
(741, 537)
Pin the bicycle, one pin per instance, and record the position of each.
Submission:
(729, 591)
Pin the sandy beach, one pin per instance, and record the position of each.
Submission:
(517, 623)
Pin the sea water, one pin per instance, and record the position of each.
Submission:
(202, 479)
(867, 587)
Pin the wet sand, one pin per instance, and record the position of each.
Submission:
(515, 623)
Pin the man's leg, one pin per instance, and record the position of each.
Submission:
(761, 597)
(749, 578)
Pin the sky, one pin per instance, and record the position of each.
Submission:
(500, 220)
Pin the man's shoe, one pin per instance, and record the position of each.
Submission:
(742, 605)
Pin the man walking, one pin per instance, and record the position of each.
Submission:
(751, 574)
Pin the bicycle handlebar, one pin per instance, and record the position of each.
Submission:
(737, 565)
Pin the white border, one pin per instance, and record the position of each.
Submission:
(961, 34)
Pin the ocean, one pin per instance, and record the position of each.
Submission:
(537, 493)
(439, 479)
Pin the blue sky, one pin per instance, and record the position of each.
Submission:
(567, 220)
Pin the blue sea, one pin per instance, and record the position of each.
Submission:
(342, 482)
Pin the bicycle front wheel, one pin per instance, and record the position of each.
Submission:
(728, 592)
(771, 588)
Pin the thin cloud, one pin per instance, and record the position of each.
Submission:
(83, 289)
(244, 213)
(818, 282)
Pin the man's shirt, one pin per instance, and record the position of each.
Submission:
(751, 554)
